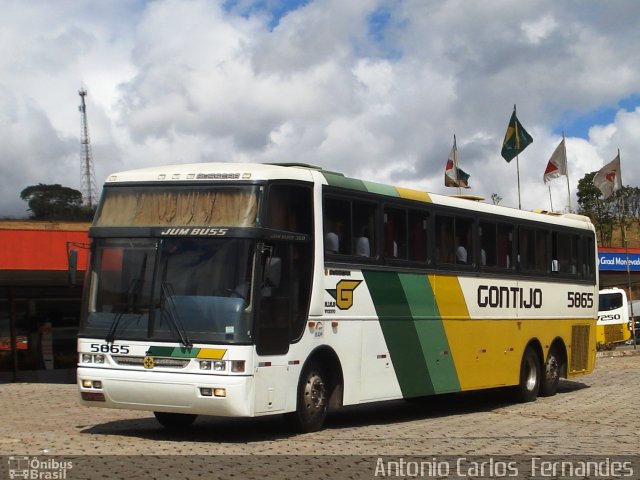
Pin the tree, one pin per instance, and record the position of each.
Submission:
(55, 202)
(607, 214)
(591, 204)
(496, 199)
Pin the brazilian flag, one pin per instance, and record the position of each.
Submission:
(516, 139)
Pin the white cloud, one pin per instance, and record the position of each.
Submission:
(188, 81)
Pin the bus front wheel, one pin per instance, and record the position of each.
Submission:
(313, 399)
(530, 373)
(175, 421)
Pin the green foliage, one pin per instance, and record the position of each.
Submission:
(614, 212)
(55, 202)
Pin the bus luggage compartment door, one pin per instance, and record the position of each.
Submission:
(270, 387)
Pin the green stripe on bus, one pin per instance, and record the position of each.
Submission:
(431, 333)
(400, 333)
(173, 352)
(344, 182)
(381, 189)
(183, 352)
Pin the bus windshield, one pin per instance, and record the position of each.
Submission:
(176, 289)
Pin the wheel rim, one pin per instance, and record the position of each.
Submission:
(314, 394)
(531, 374)
(553, 372)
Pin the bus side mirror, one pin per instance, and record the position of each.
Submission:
(72, 260)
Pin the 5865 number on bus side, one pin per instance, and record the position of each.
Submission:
(579, 300)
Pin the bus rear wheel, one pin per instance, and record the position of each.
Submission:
(175, 421)
(530, 373)
(551, 376)
(313, 399)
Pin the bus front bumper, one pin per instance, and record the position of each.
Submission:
(205, 394)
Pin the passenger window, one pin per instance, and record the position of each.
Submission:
(454, 240)
(337, 226)
(364, 230)
(565, 253)
(532, 250)
(464, 241)
(488, 243)
(395, 233)
(445, 244)
(496, 245)
(418, 225)
(349, 227)
(588, 257)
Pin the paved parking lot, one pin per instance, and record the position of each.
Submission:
(591, 415)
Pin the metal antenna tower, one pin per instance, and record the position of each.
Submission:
(88, 180)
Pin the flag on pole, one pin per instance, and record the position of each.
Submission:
(516, 139)
(609, 178)
(557, 165)
(453, 175)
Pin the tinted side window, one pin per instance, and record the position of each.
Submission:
(349, 227)
(290, 208)
(454, 240)
(532, 250)
(395, 233)
(417, 236)
(337, 226)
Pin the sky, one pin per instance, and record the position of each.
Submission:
(375, 89)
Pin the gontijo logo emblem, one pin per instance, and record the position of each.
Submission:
(343, 294)
(148, 362)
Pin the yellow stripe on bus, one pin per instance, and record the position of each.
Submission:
(212, 353)
(477, 346)
(410, 194)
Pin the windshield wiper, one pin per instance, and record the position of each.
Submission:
(134, 288)
(172, 313)
(133, 294)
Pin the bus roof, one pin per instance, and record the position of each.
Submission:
(228, 171)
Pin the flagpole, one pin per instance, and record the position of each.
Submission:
(455, 163)
(517, 155)
(566, 165)
(626, 249)
(550, 199)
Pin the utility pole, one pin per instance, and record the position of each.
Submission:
(88, 179)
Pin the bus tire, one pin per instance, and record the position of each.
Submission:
(313, 399)
(551, 375)
(530, 376)
(175, 421)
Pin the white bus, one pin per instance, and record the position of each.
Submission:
(244, 290)
(614, 324)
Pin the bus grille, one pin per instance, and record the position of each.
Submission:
(163, 362)
(615, 333)
(579, 348)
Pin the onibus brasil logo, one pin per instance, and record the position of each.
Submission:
(343, 293)
(38, 468)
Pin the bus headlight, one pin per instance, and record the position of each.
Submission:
(205, 364)
(219, 366)
(91, 358)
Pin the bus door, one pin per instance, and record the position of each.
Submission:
(281, 316)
